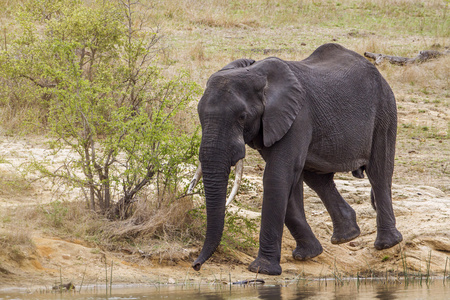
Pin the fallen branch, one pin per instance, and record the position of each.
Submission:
(401, 61)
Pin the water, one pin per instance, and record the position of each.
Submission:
(294, 290)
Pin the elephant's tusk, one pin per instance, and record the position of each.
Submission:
(195, 180)
(239, 169)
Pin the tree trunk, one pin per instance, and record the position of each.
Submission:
(120, 210)
(90, 176)
(107, 189)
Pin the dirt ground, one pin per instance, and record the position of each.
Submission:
(423, 217)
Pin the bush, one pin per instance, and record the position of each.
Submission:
(88, 74)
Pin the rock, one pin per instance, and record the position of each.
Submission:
(438, 243)
(353, 244)
(68, 286)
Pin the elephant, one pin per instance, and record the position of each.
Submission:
(331, 112)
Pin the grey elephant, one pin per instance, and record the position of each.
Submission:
(332, 112)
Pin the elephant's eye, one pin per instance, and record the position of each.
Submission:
(242, 116)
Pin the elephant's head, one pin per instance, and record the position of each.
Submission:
(245, 102)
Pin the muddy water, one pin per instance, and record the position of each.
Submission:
(294, 290)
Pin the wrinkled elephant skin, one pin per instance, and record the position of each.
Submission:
(332, 112)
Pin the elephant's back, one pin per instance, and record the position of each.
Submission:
(333, 64)
(329, 55)
(339, 80)
(347, 97)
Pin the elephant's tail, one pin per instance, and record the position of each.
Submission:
(372, 200)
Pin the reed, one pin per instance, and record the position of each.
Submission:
(357, 280)
(186, 278)
(60, 280)
(215, 279)
(300, 277)
(428, 274)
(337, 275)
(405, 267)
(445, 270)
(110, 278)
(106, 277)
(82, 279)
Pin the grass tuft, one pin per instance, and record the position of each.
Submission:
(15, 247)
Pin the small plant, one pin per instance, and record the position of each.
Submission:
(240, 232)
(55, 213)
(385, 258)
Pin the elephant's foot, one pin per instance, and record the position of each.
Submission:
(345, 227)
(387, 238)
(264, 266)
(346, 233)
(307, 250)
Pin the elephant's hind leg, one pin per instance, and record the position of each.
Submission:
(308, 246)
(379, 171)
(342, 215)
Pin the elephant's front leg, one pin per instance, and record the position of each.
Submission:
(276, 194)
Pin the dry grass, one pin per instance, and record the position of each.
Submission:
(165, 222)
(13, 183)
(197, 52)
(14, 237)
(159, 232)
(204, 39)
(432, 78)
(149, 220)
(375, 14)
(15, 245)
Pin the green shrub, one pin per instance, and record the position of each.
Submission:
(88, 72)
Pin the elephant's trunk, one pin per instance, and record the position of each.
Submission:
(215, 180)
(239, 169)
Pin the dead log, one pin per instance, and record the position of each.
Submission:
(401, 61)
(68, 287)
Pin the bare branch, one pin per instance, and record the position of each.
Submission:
(39, 83)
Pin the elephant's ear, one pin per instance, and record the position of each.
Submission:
(283, 96)
(238, 63)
